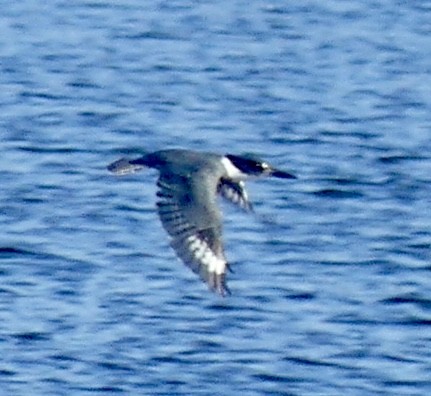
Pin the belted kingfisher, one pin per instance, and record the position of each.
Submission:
(188, 185)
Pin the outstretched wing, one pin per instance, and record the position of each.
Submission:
(235, 193)
(189, 214)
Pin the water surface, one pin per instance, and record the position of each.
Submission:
(331, 289)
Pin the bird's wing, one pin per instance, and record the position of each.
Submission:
(236, 193)
(189, 214)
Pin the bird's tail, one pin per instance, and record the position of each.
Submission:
(125, 166)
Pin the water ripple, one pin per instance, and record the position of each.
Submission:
(331, 274)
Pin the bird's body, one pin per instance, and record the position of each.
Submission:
(189, 183)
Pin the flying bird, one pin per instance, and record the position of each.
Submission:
(188, 185)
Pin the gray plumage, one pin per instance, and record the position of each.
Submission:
(188, 186)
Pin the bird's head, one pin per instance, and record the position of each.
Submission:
(249, 167)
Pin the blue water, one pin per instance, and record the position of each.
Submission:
(332, 275)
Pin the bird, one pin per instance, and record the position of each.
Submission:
(188, 186)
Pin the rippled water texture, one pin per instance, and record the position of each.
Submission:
(331, 283)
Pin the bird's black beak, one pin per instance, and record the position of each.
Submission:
(281, 174)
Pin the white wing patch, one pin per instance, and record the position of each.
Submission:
(205, 255)
(201, 259)
(236, 193)
(201, 250)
